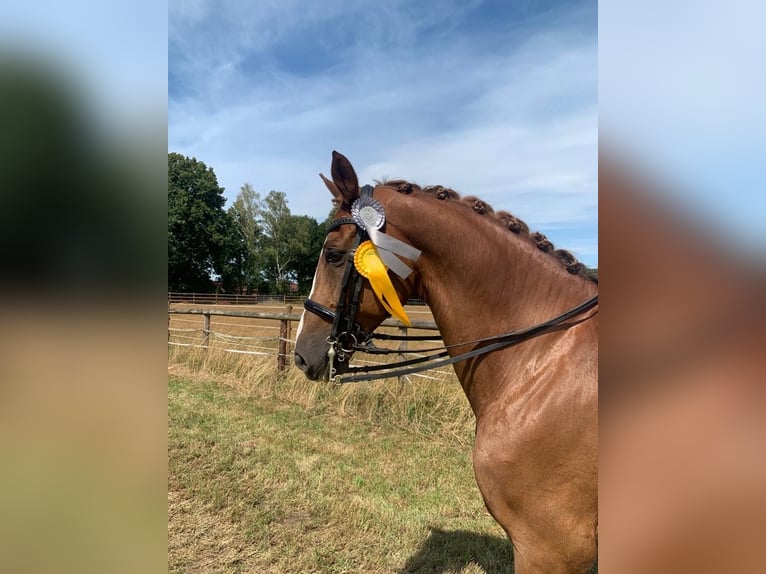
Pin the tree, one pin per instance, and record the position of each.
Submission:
(289, 246)
(199, 230)
(276, 241)
(244, 265)
(308, 239)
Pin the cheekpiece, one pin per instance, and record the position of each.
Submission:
(368, 213)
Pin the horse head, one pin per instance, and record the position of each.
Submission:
(345, 305)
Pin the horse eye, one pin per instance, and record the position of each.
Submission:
(335, 257)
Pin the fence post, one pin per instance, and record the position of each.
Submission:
(402, 354)
(282, 348)
(206, 330)
(288, 331)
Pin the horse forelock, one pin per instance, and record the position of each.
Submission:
(502, 218)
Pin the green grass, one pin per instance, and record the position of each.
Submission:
(268, 474)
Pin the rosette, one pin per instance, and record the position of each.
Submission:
(368, 262)
(368, 213)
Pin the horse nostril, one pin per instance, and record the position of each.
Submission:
(300, 362)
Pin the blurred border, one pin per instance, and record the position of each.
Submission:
(83, 147)
(681, 212)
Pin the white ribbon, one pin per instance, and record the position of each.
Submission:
(370, 215)
(388, 249)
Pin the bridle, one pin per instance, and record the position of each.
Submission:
(347, 337)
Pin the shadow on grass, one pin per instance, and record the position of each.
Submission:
(446, 552)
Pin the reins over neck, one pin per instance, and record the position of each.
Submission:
(434, 361)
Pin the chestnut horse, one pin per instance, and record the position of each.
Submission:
(536, 404)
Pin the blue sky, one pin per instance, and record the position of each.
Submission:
(682, 96)
(495, 99)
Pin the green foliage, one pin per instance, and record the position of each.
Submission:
(289, 246)
(199, 230)
(255, 246)
(275, 247)
(307, 243)
(243, 268)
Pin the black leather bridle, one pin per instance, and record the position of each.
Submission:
(347, 336)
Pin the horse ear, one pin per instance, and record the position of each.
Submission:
(344, 177)
(337, 198)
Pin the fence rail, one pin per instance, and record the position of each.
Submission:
(232, 299)
(251, 299)
(284, 342)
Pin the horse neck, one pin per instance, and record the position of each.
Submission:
(478, 276)
(480, 279)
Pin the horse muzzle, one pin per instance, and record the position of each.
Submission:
(315, 356)
(320, 369)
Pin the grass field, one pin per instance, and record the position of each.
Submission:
(272, 473)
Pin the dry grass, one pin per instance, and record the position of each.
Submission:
(270, 472)
(260, 485)
(433, 408)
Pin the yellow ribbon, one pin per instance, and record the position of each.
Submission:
(371, 266)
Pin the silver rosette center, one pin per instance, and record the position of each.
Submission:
(368, 213)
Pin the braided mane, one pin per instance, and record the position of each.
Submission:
(502, 218)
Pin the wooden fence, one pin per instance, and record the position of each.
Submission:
(232, 299)
(252, 299)
(285, 319)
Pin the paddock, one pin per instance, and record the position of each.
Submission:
(269, 472)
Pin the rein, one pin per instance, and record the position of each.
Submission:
(347, 336)
(496, 343)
